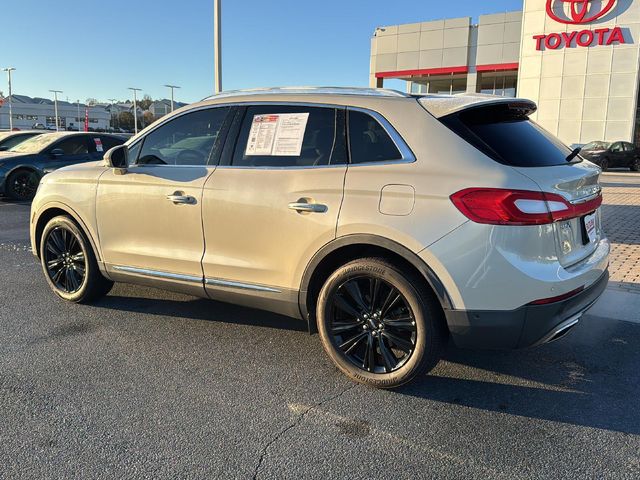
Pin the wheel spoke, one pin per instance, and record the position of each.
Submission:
(369, 354)
(374, 289)
(340, 327)
(352, 342)
(404, 323)
(54, 263)
(390, 301)
(353, 288)
(73, 242)
(57, 277)
(399, 342)
(389, 359)
(57, 239)
(343, 305)
(78, 257)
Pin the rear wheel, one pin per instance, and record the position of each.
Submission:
(635, 165)
(69, 263)
(378, 324)
(604, 164)
(22, 184)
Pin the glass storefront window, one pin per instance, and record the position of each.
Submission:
(496, 83)
(443, 85)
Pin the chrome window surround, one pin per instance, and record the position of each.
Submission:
(401, 145)
(194, 279)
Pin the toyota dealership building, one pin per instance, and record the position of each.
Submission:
(577, 59)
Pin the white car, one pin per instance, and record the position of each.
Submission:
(387, 222)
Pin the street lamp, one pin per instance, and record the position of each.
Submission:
(217, 46)
(114, 122)
(135, 108)
(9, 70)
(55, 103)
(172, 87)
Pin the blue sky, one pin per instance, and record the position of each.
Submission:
(98, 48)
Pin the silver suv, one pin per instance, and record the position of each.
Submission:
(387, 222)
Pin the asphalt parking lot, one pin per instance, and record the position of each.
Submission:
(153, 384)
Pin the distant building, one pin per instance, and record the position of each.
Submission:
(28, 111)
(160, 108)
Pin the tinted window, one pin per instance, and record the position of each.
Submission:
(76, 145)
(185, 140)
(286, 136)
(617, 147)
(15, 140)
(369, 141)
(629, 147)
(109, 142)
(509, 137)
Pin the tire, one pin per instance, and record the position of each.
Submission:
(69, 263)
(635, 165)
(412, 329)
(22, 184)
(604, 164)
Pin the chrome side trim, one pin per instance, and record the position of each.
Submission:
(244, 286)
(158, 274)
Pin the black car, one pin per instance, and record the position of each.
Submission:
(8, 140)
(22, 166)
(612, 155)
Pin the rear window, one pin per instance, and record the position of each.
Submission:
(509, 137)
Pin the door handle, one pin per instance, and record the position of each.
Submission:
(178, 198)
(306, 207)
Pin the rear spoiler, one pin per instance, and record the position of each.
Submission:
(442, 105)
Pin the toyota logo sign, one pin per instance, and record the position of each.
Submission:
(581, 11)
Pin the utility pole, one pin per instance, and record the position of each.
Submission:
(55, 107)
(217, 47)
(113, 122)
(9, 70)
(135, 108)
(172, 87)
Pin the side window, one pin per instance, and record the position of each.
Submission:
(185, 140)
(617, 147)
(629, 147)
(286, 136)
(109, 142)
(75, 145)
(369, 141)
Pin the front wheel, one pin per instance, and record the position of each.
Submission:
(379, 325)
(69, 263)
(604, 164)
(635, 165)
(22, 185)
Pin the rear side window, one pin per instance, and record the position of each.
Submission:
(369, 141)
(109, 142)
(76, 145)
(509, 137)
(286, 136)
(617, 147)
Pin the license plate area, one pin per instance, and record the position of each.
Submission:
(589, 232)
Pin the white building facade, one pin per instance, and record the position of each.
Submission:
(578, 60)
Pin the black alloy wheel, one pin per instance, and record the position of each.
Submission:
(635, 165)
(65, 260)
(372, 324)
(604, 164)
(22, 185)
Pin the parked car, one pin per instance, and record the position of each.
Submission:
(38, 126)
(22, 166)
(9, 140)
(385, 221)
(612, 155)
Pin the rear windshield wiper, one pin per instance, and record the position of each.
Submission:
(574, 154)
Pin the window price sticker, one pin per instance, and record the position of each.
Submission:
(278, 135)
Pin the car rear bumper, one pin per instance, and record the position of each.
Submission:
(523, 327)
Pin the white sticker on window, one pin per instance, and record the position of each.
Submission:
(98, 144)
(278, 135)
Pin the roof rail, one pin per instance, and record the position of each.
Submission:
(374, 92)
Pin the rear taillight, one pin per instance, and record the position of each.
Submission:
(497, 206)
(559, 298)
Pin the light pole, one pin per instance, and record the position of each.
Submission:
(172, 87)
(135, 108)
(114, 122)
(78, 101)
(9, 70)
(55, 106)
(217, 47)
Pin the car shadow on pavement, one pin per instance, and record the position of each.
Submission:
(590, 378)
(200, 309)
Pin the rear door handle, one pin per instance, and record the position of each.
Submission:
(305, 207)
(179, 199)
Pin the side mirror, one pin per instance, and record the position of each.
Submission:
(118, 158)
(57, 152)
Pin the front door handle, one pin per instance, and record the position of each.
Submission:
(178, 198)
(303, 206)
